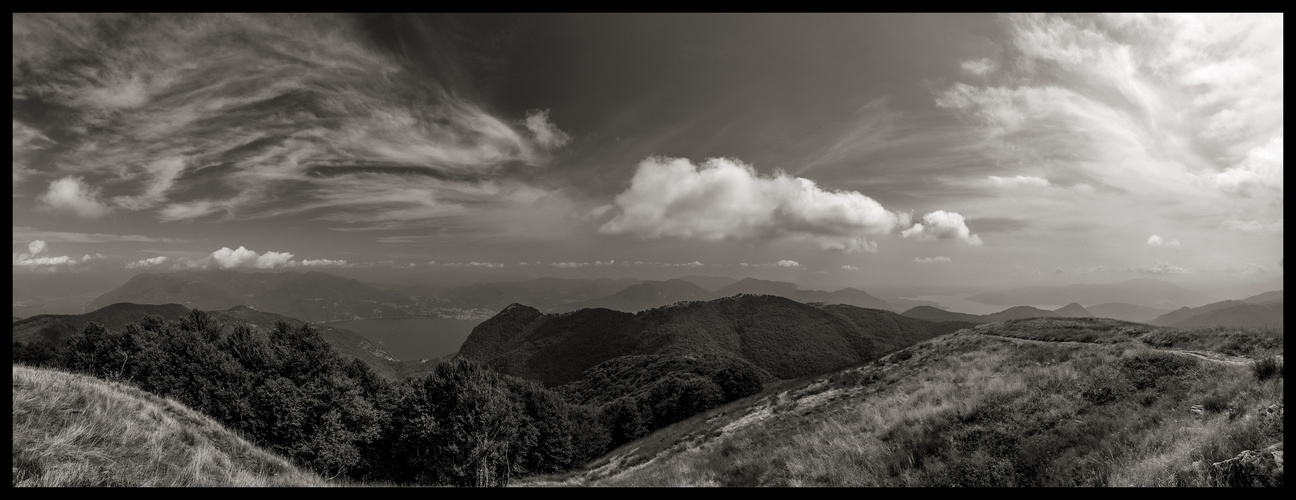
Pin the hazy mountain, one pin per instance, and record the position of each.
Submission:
(1265, 297)
(1249, 289)
(643, 296)
(710, 283)
(1143, 291)
(1127, 312)
(1073, 310)
(761, 287)
(58, 285)
(929, 313)
(1019, 312)
(1183, 313)
(1231, 313)
(55, 329)
(907, 304)
(310, 296)
(541, 293)
(783, 337)
(855, 297)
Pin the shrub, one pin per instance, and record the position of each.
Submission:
(1267, 368)
(1215, 404)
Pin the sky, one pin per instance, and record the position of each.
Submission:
(831, 150)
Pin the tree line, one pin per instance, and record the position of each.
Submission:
(287, 390)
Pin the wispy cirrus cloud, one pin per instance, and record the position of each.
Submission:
(280, 109)
(24, 233)
(1092, 120)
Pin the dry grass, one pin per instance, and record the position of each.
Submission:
(75, 430)
(977, 409)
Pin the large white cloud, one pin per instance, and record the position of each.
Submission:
(71, 194)
(725, 199)
(942, 225)
(242, 257)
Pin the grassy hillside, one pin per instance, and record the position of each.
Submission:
(76, 430)
(1038, 402)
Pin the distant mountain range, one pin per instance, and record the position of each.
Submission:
(312, 296)
(1144, 292)
(928, 313)
(1261, 310)
(782, 337)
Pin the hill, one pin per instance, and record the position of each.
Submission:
(1126, 312)
(54, 330)
(540, 293)
(1145, 292)
(311, 296)
(710, 283)
(1231, 314)
(930, 313)
(643, 296)
(1265, 297)
(783, 337)
(1043, 402)
(1073, 310)
(753, 286)
(76, 430)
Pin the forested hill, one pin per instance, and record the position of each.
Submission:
(51, 331)
(781, 337)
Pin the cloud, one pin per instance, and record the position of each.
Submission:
(1248, 268)
(1160, 268)
(850, 268)
(226, 258)
(788, 263)
(286, 107)
(271, 260)
(1262, 169)
(490, 265)
(978, 66)
(23, 233)
(143, 263)
(70, 194)
(31, 261)
(323, 263)
(597, 263)
(942, 225)
(931, 260)
(1253, 226)
(725, 199)
(1090, 270)
(1157, 241)
(546, 134)
(1020, 181)
(1058, 270)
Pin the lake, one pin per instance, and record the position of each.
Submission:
(413, 338)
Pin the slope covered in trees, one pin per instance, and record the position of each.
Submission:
(781, 337)
(289, 392)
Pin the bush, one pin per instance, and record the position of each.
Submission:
(1267, 368)
(1215, 404)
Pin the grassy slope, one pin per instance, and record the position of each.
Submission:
(1040, 402)
(74, 430)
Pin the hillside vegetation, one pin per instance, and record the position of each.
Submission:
(76, 430)
(781, 337)
(1037, 402)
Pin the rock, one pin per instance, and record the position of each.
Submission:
(1196, 409)
(1252, 468)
